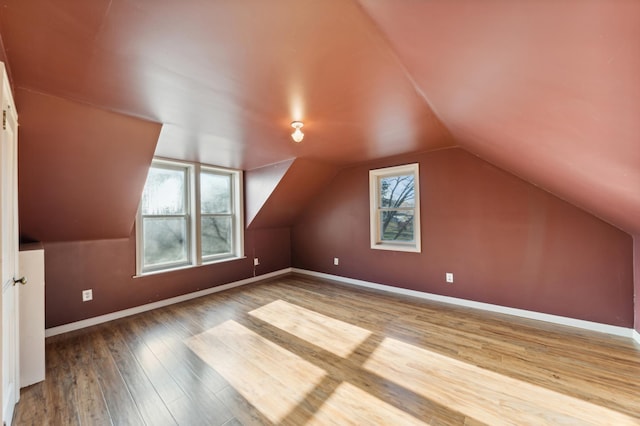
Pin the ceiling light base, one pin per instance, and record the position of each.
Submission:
(297, 135)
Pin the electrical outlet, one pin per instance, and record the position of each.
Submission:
(449, 277)
(336, 261)
(87, 295)
(256, 261)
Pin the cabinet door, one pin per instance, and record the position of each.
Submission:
(32, 365)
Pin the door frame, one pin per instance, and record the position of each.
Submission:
(10, 120)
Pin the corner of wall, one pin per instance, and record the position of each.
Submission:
(5, 60)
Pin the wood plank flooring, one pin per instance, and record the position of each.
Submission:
(298, 350)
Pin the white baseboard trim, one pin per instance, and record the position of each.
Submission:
(636, 336)
(53, 331)
(556, 319)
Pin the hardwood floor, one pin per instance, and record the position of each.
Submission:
(298, 350)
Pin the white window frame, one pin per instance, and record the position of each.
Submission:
(376, 210)
(236, 214)
(194, 216)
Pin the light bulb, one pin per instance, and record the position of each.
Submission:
(297, 135)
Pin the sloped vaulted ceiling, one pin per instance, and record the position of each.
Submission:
(226, 78)
(83, 170)
(548, 90)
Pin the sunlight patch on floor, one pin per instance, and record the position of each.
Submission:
(280, 383)
(333, 335)
(272, 379)
(350, 405)
(482, 394)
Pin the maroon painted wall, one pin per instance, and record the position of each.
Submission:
(636, 280)
(107, 267)
(293, 190)
(506, 241)
(7, 66)
(81, 169)
(259, 184)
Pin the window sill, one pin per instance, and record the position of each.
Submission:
(185, 267)
(396, 247)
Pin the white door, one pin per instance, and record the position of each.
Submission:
(9, 249)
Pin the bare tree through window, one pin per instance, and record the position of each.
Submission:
(395, 219)
(190, 214)
(397, 201)
(165, 216)
(216, 210)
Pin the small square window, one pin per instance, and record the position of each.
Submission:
(395, 208)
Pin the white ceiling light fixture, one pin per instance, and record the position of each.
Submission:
(297, 135)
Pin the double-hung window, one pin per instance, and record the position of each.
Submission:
(189, 215)
(217, 213)
(395, 208)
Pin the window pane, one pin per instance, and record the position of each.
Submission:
(397, 191)
(215, 193)
(397, 225)
(164, 192)
(165, 240)
(216, 235)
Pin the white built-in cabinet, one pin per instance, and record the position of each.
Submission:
(32, 367)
